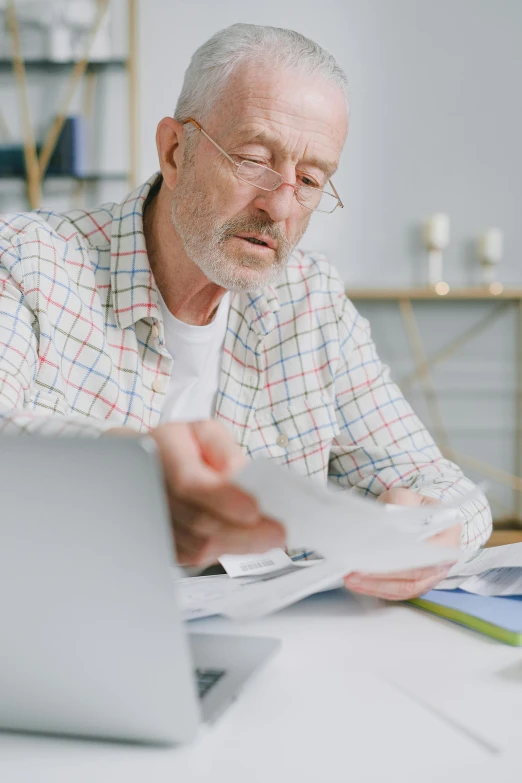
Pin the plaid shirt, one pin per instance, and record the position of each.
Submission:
(82, 349)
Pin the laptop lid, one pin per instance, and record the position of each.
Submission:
(92, 641)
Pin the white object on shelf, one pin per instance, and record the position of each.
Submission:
(491, 250)
(436, 239)
(59, 41)
(81, 17)
(59, 29)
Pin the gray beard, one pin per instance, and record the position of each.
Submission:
(204, 241)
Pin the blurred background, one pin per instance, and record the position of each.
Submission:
(435, 135)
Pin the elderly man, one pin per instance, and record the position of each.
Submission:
(186, 313)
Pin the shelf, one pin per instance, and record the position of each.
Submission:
(115, 176)
(52, 65)
(77, 67)
(394, 294)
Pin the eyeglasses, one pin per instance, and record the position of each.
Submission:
(313, 198)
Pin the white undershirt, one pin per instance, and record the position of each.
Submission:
(197, 353)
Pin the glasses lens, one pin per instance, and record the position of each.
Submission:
(316, 199)
(260, 176)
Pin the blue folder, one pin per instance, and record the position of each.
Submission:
(500, 618)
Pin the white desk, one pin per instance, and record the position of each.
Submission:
(320, 711)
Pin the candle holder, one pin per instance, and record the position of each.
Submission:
(490, 252)
(436, 235)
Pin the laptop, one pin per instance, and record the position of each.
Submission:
(93, 643)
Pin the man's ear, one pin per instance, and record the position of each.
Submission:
(169, 142)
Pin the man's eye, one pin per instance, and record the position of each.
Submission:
(308, 181)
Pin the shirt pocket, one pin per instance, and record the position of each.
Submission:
(298, 432)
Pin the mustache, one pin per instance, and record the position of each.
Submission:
(256, 225)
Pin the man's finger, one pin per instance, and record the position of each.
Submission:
(197, 452)
(449, 537)
(400, 496)
(193, 456)
(413, 575)
(188, 547)
(395, 589)
(226, 502)
(266, 535)
(218, 448)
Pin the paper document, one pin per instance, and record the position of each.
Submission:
(494, 571)
(352, 534)
(206, 596)
(257, 564)
(202, 596)
(332, 522)
(271, 562)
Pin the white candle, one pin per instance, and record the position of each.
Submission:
(437, 232)
(436, 239)
(434, 267)
(491, 246)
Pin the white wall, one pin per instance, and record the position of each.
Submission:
(436, 119)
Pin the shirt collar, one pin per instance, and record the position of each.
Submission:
(260, 310)
(134, 292)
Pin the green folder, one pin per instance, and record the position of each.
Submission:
(500, 618)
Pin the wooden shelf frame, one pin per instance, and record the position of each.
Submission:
(102, 176)
(66, 65)
(475, 293)
(36, 164)
(507, 299)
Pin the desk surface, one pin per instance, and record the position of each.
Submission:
(326, 709)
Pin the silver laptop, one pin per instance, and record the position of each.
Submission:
(92, 640)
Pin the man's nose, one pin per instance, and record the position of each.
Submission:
(278, 204)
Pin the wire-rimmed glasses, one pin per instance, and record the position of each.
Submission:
(313, 198)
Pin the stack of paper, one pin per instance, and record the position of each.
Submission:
(496, 571)
(205, 596)
(351, 533)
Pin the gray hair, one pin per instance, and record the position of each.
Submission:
(214, 62)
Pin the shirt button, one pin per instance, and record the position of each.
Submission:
(159, 385)
(155, 332)
(282, 440)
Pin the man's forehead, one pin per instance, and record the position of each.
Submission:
(267, 104)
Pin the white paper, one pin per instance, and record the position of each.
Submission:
(351, 533)
(257, 564)
(206, 596)
(496, 581)
(451, 583)
(200, 596)
(250, 597)
(333, 522)
(494, 571)
(508, 556)
(432, 524)
(398, 553)
(330, 522)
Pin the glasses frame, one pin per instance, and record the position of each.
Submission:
(278, 176)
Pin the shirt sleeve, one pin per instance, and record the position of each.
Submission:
(382, 443)
(19, 360)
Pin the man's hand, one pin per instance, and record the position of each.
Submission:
(406, 584)
(210, 516)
